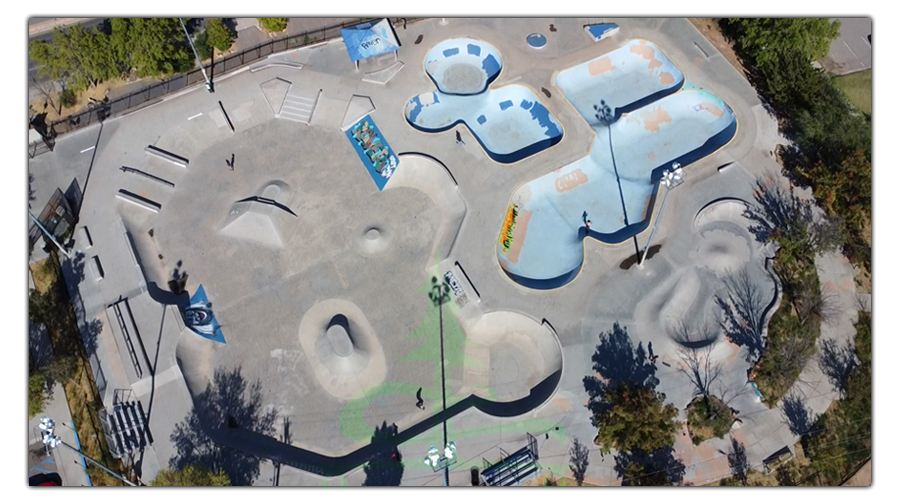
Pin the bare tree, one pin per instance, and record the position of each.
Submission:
(697, 366)
(742, 310)
(579, 457)
(47, 88)
(810, 303)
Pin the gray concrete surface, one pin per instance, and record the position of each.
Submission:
(427, 224)
(852, 50)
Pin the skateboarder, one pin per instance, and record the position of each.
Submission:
(459, 139)
(420, 404)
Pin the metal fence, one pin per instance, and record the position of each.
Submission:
(156, 92)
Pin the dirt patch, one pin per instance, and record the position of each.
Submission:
(42, 104)
(709, 27)
(42, 275)
(600, 66)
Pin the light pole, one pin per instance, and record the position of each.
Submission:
(209, 83)
(672, 178)
(52, 441)
(438, 462)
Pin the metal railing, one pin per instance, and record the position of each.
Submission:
(155, 92)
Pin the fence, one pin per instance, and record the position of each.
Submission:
(156, 92)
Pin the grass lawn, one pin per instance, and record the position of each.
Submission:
(858, 88)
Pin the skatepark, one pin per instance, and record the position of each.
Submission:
(462, 288)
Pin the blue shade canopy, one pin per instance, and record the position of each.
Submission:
(370, 39)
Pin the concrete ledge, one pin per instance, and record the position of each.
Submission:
(165, 155)
(139, 200)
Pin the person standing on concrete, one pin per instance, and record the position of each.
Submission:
(230, 163)
(459, 139)
(420, 404)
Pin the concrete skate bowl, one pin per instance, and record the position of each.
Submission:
(541, 239)
(342, 348)
(510, 123)
(428, 175)
(627, 78)
(507, 356)
(463, 66)
(725, 245)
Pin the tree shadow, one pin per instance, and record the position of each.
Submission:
(659, 468)
(837, 362)
(228, 402)
(73, 271)
(742, 313)
(737, 460)
(617, 361)
(799, 418)
(579, 458)
(385, 467)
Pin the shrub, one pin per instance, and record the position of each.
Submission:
(67, 98)
(201, 43)
(220, 36)
(273, 24)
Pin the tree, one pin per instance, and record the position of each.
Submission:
(219, 35)
(638, 419)
(38, 393)
(77, 57)
(765, 38)
(191, 475)
(579, 457)
(273, 24)
(656, 468)
(154, 47)
(385, 468)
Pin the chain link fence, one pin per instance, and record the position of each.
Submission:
(154, 93)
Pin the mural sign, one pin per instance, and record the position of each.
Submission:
(373, 151)
(461, 298)
(509, 225)
(199, 317)
(370, 39)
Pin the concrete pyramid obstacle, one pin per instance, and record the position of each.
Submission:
(275, 91)
(358, 107)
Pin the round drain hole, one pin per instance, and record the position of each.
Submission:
(536, 40)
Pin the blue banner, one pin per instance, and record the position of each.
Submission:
(370, 39)
(199, 317)
(373, 151)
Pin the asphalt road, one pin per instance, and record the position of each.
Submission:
(852, 50)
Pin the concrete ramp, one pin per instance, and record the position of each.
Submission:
(252, 221)
(275, 91)
(358, 107)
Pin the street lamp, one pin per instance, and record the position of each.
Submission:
(52, 441)
(439, 462)
(209, 83)
(672, 178)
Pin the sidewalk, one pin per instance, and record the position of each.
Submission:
(68, 463)
(47, 26)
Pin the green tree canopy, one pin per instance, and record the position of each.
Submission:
(153, 46)
(191, 475)
(76, 56)
(638, 419)
(765, 38)
(219, 35)
(273, 24)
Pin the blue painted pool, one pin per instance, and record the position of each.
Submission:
(510, 123)
(649, 125)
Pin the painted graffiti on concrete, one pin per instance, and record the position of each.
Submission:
(373, 150)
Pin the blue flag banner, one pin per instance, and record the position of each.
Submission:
(373, 151)
(199, 317)
(370, 39)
